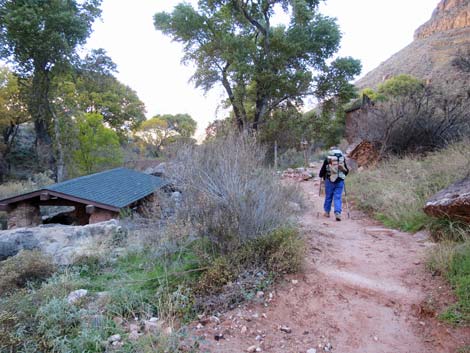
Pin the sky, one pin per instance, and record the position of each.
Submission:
(150, 63)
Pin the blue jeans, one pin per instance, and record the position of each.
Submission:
(333, 191)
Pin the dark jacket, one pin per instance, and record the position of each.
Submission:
(324, 171)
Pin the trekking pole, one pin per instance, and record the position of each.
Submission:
(319, 195)
(346, 199)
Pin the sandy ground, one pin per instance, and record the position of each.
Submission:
(364, 289)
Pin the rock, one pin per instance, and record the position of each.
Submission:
(285, 329)
(380, 231)
(118, 320)
(365, 154)
(152, 325)
(294, 206)
(294, 281)
(76, 295)
(328, 347)
(158, 170)
(253, 349)
(134, 335)
(219, 336)
(311, 350)
(134, 327)
(449, 15)
(431, 54)
(63, 243)
(243, 329)
(114, 338)
(259, 294)
(452, 202)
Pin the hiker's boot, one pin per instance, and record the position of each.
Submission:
(326, 214)
(338, 216)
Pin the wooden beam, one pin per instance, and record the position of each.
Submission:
(5, 207)
(44, 196)
(90, 209)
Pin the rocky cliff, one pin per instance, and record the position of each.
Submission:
(436, 44)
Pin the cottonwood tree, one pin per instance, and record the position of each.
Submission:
(39, 37)
(98, 146)
(99, 91)
(13, 112)
(164, 129)
(260, 65)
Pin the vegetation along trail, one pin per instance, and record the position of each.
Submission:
(364, 289)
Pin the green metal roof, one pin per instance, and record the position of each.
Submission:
(118, 187)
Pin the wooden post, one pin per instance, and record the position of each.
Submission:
(275, 155)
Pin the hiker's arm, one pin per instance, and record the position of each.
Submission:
(323, 170)
(346, 169)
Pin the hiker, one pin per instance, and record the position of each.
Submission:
(334, 171)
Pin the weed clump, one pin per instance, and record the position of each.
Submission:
(235, 277)
(26, 266)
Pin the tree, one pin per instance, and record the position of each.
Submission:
(164, 129)
(13, 112)
(98, 146)
(261, 66)
(100, 92)
(40, 37)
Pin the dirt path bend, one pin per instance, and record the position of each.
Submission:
(364, 289)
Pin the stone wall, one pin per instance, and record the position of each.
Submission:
(101, 215)
(63, 243)
(24, 215)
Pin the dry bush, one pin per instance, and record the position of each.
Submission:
(398, 188)
(26, 266)
(423, 120)
(227, 194)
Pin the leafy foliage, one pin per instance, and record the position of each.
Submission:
(41, 38)
(98, 146)
(261, 66)
(13, 112)
(162, 130)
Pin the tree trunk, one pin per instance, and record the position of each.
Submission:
(40, 112)
(60, 171)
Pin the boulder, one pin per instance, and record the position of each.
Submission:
(63, 243)
(452, 202)
(365, 154)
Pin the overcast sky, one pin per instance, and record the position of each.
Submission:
(149, 62)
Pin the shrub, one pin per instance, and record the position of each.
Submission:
(279, 252)
(453, 261)
(56, 319)
(410, 116)
(238, 199)
(26, 266)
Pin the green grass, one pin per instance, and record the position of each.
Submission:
(396, 191)
(149, 283)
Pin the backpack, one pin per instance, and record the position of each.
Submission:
(336, 165)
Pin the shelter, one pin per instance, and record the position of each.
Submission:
(95, 198)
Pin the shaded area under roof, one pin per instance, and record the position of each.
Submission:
(117, 188)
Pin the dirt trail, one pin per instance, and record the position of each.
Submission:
(364, 289)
